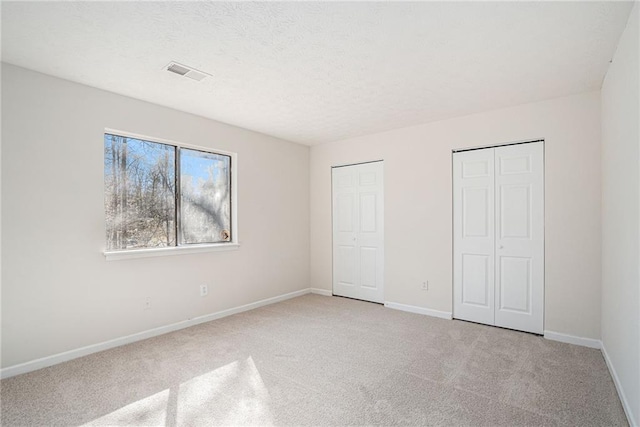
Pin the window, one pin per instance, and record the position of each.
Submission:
(160, 195)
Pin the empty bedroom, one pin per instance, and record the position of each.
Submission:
(320, 213)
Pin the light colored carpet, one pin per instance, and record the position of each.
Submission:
(317, 360)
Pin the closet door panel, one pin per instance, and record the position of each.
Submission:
(473, 212)
(519, 223)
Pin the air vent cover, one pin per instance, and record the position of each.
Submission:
(186, 71)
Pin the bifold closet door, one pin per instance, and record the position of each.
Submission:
(499, 236)
(358, 231)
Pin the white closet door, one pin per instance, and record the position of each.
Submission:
(358, 233)
(473, 215)
(498, 213)
(519, 268)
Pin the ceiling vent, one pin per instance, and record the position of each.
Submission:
(185, 71)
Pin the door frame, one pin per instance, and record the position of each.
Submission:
(342, 165)
(544, 215)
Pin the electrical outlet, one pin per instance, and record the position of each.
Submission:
(425, 286)
(204, 290)
(147, 303)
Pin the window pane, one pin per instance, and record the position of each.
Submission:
(139, 179)
(205, 203)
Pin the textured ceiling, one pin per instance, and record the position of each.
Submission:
(314, 72)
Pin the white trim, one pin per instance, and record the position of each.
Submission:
(44, 362)
(623, 398)
(172, 250)
(572, 339)
(419, 310)
(318, 291)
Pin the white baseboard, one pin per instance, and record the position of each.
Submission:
(571, 339)
(616, 381)
(419, 310)
(325, 292)
(44, 362)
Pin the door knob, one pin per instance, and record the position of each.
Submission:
(501, 247)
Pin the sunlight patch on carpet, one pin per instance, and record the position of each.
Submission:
(231, 395)
(151, 410)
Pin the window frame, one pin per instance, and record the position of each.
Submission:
(233, 244)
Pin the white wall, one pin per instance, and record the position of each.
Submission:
(58, 292)
(621, 216)
(418, 223)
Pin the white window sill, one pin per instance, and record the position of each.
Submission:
(176, 250)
